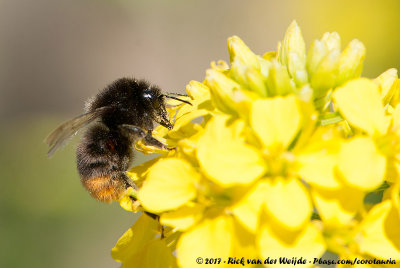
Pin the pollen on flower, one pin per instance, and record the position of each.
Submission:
(274, 157)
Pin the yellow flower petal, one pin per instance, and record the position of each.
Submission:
(126, 201)
(184, 217)
(230, 163)
(275, 242)
(288, 201)
(247, 210)
(380, 232)
(337, 207)
(133, 240)
(202, 104)
(138, 173)
(145, 258)
(181, 124)
(225, 158)
(244, 243)
(276, 121)
(186, 147)
(361, 165)
(211, 238)
(169, 184)
(360, 103)
(317, 162)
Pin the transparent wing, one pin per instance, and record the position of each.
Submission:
(61, 135)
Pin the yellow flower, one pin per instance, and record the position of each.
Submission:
(374, 238)
(366, 159)
(277, 156)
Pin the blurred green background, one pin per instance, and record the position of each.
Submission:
(55, 54)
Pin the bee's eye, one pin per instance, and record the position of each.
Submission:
(148, 94)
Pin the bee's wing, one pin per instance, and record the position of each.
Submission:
(60, 136)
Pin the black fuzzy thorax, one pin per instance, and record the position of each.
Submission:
(124, 97)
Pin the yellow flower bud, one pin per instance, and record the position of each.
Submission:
(238, 50)
(292, 53)
(351, 61)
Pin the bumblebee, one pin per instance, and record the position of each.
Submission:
(118, 116)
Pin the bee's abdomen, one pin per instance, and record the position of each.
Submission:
(105, 189)
(102, 159)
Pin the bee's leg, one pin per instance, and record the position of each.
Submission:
(139, 133)
(154, 216)
(128, 182)
(162, 229)
(160, 226)
(134, 131)
(150, 140)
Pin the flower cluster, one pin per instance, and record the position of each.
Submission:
(287, 154)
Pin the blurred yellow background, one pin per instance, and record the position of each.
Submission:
(56, 54)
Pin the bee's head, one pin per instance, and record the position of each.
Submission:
(155, 103)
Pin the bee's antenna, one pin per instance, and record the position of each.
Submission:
(175, 98)
(177, 94)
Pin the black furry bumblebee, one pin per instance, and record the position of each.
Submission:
(118, 116)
